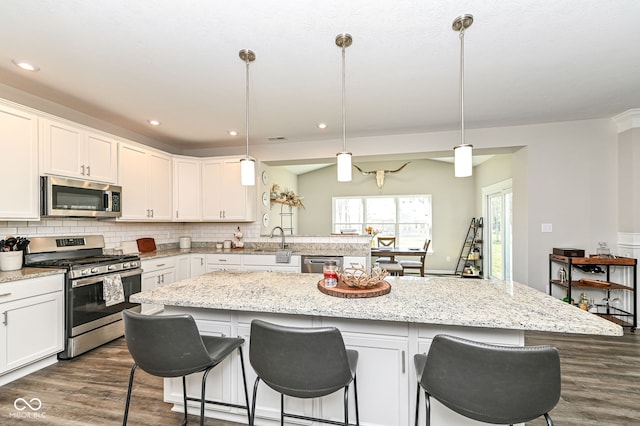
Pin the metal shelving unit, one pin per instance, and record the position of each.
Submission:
(470, 260)
(622, 317)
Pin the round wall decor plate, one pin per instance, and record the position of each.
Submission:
(265, 220)
(265, 177)
(265, 199)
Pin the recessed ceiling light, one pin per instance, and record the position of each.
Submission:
(233, 133)
(322, 125)
(25, 65)
(153, 122)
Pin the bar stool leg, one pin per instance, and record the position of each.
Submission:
(184, 399)
(355, 394)
(244, 382)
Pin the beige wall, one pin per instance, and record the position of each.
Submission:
(286, 181)
(453, 200)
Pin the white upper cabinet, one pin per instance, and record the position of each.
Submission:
(77, 152)
(20, 188)
(224, 198)
(186, 189)
(145, 177)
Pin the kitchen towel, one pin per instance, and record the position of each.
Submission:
(112, 290)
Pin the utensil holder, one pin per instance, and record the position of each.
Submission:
(10, 260)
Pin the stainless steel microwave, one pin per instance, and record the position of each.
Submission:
(76, 198)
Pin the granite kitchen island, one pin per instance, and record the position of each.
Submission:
(386, 330)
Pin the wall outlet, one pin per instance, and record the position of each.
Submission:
(448, 258)
(547, 227)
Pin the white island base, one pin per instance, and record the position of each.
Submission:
(387, 331)
(386, 375)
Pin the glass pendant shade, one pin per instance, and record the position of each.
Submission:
(463, 165)
(248, 172)
(344, 167)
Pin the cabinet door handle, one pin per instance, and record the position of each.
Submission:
(403, 363)
(82, 172)
(177, 216)
(201, 261)
(88, 170)
(151, 212)
(5, 319)
(5, 294)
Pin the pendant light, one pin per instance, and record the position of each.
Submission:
(247, 164)
(343, 41)
(462, 153)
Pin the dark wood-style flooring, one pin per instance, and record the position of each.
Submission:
(600, 386)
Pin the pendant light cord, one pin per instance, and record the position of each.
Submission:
(462, 85)
(247, 106)
(344, 109)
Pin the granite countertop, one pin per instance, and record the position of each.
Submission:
(28, 273)
(210, 250)
(429, 300)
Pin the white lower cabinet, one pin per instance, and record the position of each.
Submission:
(384, 371)
(198, 264)
(267, 262)
(32, 328)
(156, 273)
(224, 262)
(183, 267)
(221, 379)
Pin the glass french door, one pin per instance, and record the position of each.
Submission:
(499, 207)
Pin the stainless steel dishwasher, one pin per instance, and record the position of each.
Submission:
(313, 264)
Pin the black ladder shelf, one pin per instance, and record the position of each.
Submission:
(470, 260)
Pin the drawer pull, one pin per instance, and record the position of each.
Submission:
(5, 294)
(5, 320)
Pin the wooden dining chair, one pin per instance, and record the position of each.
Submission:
(386, 242)
(417, 264)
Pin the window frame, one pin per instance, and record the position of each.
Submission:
(359, 227)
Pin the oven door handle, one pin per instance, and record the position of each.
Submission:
(94, 280)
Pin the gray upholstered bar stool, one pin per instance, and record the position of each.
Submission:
(171, 346)
(489, 383)
(302, 363)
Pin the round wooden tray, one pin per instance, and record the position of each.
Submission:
(344, 291)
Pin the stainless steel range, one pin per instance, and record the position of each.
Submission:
(97, 287)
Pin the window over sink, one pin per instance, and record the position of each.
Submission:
(406, 217)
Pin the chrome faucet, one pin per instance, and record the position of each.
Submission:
(284, 246)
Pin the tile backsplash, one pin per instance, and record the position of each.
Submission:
(116, 232)
(167, 232)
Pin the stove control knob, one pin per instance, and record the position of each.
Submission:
(85, 272)
(111, 267)
(126, 265)
(95, 270)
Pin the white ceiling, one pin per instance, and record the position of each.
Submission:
(124, 61)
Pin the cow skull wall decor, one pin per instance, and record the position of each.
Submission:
(380, 174)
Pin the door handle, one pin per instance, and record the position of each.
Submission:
(5, 319)
(403, 363)
(88, 170)
(82, 172)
